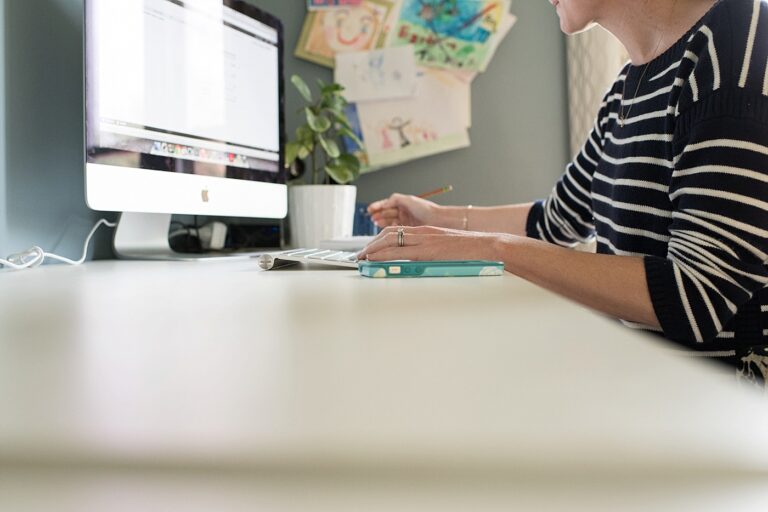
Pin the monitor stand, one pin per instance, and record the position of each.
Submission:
(144, 236)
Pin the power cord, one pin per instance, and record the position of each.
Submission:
(34, 256)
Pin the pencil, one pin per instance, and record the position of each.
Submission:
(436, 192)
(431, 193)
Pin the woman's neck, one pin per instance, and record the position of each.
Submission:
(648, 28)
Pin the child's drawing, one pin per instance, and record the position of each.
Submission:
(399, 125)
(454, 34)
(373, 72)
(342, 30)
(378, 75)
(403, 129)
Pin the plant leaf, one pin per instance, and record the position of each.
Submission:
(331, 89)
(304, 152)
(302, 87)
(352, 162)
(352, 135)
(330, 147)
(340, 116)
(318, 123)
(291, 153)
(344, 169)
(337, 103)
(305, 135)
(339, 172)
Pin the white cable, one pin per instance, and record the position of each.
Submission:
(34, 256)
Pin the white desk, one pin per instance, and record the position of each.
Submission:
(220, 381)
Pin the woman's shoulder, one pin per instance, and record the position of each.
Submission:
(738, 16)
(729, 46)
(734, 17)
(724, 67)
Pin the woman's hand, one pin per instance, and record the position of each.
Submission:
(426, 243)
(403, 210)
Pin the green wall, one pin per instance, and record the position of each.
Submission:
(3, 201)
(43, 201)
(519, 133)
(519, 111)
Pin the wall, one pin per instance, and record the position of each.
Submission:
(44, 199)
(3, 215)
(519, 133)
(519, 108)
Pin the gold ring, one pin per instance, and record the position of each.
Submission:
(400, 237)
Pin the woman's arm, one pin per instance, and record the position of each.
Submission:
(494, 219)
(408, 210)
(614, 285)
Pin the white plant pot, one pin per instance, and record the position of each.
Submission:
(320, 212)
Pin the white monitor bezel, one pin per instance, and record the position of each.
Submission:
(132, 189)
(127, 189)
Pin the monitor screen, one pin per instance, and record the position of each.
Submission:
(183, 87)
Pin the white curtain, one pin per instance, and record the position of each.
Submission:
(594, 60)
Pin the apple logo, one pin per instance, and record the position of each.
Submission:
(204, 194)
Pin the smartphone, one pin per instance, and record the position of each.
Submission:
(457, 268)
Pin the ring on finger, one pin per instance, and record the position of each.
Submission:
(400, 237)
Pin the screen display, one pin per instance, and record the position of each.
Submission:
(189, 86)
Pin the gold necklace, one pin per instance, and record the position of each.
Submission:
(622, 116)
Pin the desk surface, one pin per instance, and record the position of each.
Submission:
(220, 365)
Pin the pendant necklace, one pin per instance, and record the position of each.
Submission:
(622, 116)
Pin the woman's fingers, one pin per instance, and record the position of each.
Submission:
(377, 206)
(387, 248)
(414, 253)
(386, 217)
(384, 232)
(426, 243)
(392, 201)
(407, 230)
(387, 212)
(388, 238)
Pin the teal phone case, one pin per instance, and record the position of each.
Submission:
(458, 268)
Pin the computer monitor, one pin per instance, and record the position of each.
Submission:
(184, 115)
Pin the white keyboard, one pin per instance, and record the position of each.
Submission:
(344, 259)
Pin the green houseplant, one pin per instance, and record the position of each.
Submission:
(319, 139)
(321, 201)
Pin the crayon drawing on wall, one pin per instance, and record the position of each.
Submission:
(407, 67)
(396, 131)
(378, 75)
(342, 30)
(452, 34)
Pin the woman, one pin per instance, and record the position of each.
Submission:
(672, 183)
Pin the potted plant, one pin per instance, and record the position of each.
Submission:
(321, 201)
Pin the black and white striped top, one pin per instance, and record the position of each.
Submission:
(684, 183)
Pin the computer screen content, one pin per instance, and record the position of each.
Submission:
(184, 108)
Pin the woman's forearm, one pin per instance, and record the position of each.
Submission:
(494, 219)
(614, 285)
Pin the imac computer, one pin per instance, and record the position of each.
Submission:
(183, 115)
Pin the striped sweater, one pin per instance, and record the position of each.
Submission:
(684, 182)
